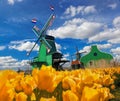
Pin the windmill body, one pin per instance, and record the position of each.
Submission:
(45, 57)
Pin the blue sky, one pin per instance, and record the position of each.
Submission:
(80, 23)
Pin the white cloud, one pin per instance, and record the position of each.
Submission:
(23, 45)
(110, 34)
(105, 35)
(8, 62)
(86, 49)
(116, 22)
(104, 46)
(66, 56)
(75, 21)
(99, 46)
(2, 47)
(116, 51)
(76, 28)
(113, 6)
(7, 59)
(117, 58)
(89, 9)
(58, 47)
(114, 40)
(11, 2)
(17, 20)
(73, 11)
(67, 65)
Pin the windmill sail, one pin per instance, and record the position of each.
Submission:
(48, 46)
(48, 24)
(36, 30)
(41, 34)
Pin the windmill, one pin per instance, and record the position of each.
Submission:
(76, 64)
(47, 54)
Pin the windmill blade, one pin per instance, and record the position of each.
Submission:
(39, 32)
(84, 52)
(33, 46)
(77, 49)
(48, 23)
(48, 46)
(36, 30)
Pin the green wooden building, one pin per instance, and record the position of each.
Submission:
(96, 58)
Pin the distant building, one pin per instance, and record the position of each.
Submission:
(96, 58)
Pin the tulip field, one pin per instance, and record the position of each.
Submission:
(47, 84)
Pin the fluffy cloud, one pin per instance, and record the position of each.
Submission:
(73, 11)
(114, 41)
(116, 22)
(112, 6)
(85, 49)
(8, 62)
(2, 48)
(11, 2)
(117, 58)
(106, 35)
(104, 46)
(23, 45)
(17, 20)
(89, 9)
(58, 47)
(67, 65)
(116, 51)
(76, 28)
(66, 56)
(100, 46)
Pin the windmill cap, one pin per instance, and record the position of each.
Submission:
(49, 37)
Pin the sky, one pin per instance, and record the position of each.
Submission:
(78, 23)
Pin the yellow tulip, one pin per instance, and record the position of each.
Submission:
(45, 79)
(48, 99)
(69, 96)
(114, 77)
(35, 75)
(112, 86)
(69, 83)
(80, 85)
(21, 97)
(28, 84)
(107, 80)
(17, 86)
(90, 94)
(33, 98)
(57, 79)
(105, 94)
(7, 92)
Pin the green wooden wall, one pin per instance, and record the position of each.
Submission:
(95, 55)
